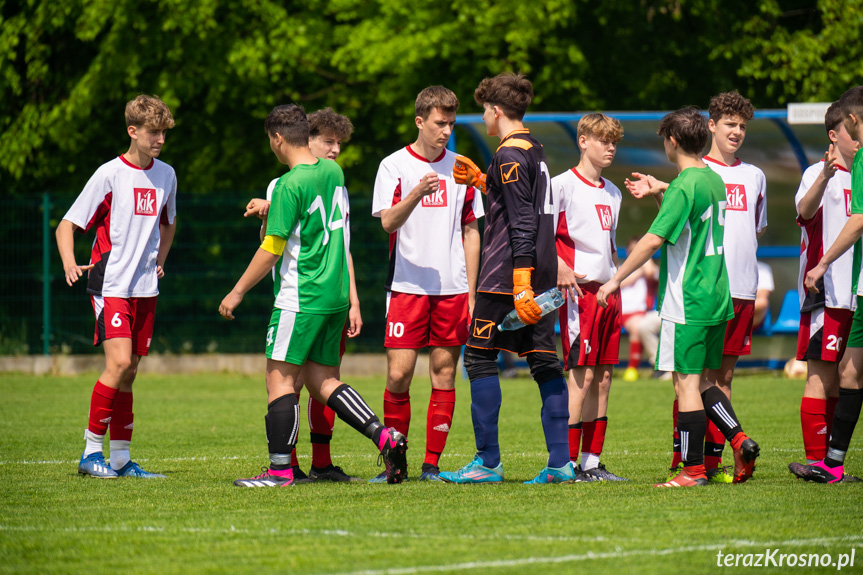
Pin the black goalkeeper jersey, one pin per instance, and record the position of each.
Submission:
(519, 220)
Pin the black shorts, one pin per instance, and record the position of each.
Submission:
(490, 309)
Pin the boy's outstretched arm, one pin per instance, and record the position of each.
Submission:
(850, 233)
(643, 251)
(261, 264)
(646, 185)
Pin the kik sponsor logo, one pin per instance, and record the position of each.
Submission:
(437, 199)
(145, 202)
(848, 203)
(605, 218)
(736, 195)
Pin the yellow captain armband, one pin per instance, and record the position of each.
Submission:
(274, 244)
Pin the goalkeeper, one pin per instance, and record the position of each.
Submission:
(518, 260)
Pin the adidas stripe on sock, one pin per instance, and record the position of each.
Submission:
(353, 410)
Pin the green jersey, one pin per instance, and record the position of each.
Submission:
(309, 209)
(857, 208)
(693, 281)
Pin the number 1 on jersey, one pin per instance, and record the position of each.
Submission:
(712, 247)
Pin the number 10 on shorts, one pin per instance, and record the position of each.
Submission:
(396, 329)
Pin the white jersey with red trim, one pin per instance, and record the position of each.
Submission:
(818, 234)
(125, 204)
(586, 219)
(745, 217)
(633, 297)
(427, 252)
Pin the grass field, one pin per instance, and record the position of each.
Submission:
(204, 431)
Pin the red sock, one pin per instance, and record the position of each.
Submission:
(714, 442)
(574, 440)
(122, 418)
(738, 440)
(321, 422)
(594, 436)
(634, 353)
(695, 471)
(397, 411)
(813, 420)
(831, 409)
(676, 459)
(101, 408)
(438, 422)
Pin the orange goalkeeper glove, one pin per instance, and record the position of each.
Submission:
(522, 295)
(466, 172)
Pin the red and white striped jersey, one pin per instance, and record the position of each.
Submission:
(586, 220)
(818, 234)
(427, 252)
(745, 217)
(125, 204)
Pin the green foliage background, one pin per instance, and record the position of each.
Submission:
(67, 68)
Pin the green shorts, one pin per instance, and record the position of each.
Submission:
(689, 348)
(855, 338)
(295, 337)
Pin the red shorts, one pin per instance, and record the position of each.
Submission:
(738, 331)
(594, 330)
(823, 334)
(131, 318)
(415, 321)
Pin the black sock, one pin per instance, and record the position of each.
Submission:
(844, 421)
(692, 425)
(282, 421)
(353, 410)
(719, 410)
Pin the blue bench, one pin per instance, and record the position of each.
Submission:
(788, 320)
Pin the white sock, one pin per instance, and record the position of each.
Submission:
(119, 453)
(588, 461)
(94, 442)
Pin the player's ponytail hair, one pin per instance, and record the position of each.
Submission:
(688, 127)
(512, 93)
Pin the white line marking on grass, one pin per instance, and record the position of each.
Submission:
(618, 554)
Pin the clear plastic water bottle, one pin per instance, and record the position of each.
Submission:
(547, 302)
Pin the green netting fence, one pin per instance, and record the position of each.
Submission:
(39, 313)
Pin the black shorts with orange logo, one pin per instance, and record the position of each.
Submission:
(489, 311)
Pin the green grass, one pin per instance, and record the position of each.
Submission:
(203, 431)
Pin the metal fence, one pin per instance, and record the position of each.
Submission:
(40, 314)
